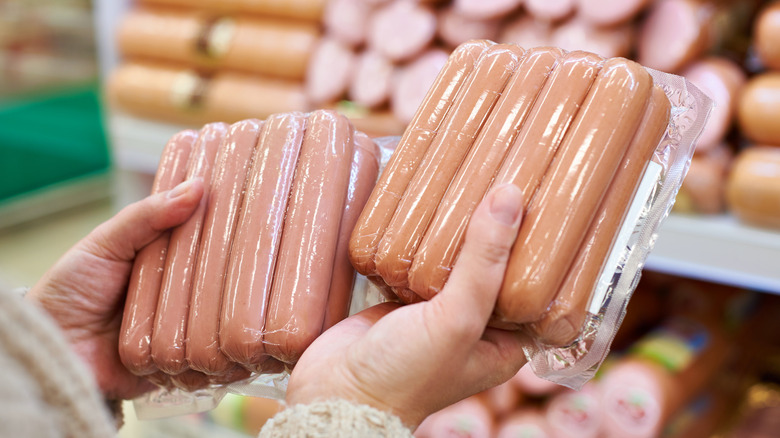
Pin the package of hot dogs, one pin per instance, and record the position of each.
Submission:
(599, 148)
(261, 268)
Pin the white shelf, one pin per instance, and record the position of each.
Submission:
(713, 248)
(718, 249)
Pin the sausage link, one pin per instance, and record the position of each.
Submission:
(256, 242)
(173, 306)
(304, 267)
(146, 277)
(563, 321)
(362, 177)
(303, 10)
(441, 161)
(440, 245)
(234, 158)
(572, 189)
(415, 141)
(546, 126)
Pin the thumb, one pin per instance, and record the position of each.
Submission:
(476, 278)
(122, 236)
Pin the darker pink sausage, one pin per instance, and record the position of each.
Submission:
(234, 159)
(304, 266)
(145, 279)
(362, 177)
(173, 307)
(256, 242)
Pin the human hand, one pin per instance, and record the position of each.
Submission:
(414, 360)
(84, 291)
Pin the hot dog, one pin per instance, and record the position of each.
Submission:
(572, 189)
(442, 159)
(310, 10)
(225, 195)
(399, 170)
(146, 277)
(255, 46)
(401, 30)
(363, 173)
(170, 326)
(256, 242)
(564, 319)
(442, 240)
(304, 266)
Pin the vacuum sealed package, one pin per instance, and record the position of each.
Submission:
(261, 267)
(599, 148)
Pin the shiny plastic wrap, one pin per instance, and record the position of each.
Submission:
(599, 148)
(231, 304)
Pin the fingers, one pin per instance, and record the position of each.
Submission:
(471, 291)
(496, 357)
(139, 223)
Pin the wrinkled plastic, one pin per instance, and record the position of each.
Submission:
(602, 150)
(261, 268)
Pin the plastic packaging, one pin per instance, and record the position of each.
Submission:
(234, 311)
(599, 148)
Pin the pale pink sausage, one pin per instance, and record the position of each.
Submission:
(486, 9)
(233, 161)
(329, 71)
(347, 20)
(362, 177)
(576, 34)
(607, 13)
(146, 277)
(525, 423)
(722, 80)
(304, 266)
(526, 32)
(170, 325)
(441, 161)
(456, 28)
(371, 79)
(576, 413)
(444, 236)
(468, 417)
(550, 10)
(572, 189)
(415, 141)
(563, 321)
(674, 33)
(402, 29)
(411, 82)
(256, 242)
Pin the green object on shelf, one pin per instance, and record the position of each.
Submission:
(50, 138)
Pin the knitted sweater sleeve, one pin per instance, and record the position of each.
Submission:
(45, 390)
(336, 418)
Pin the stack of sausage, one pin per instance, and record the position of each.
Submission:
(676, 374)
(574, 131)
(753, 188)
(197, 62)
(261, 267)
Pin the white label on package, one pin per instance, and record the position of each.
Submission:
(641, 197)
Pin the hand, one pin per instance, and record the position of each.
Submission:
(416, 359)
(84, 291)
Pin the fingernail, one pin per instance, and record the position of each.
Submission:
(506, 204)
(181, 189)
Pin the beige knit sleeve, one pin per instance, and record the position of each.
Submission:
(45, 390)
(336, 418)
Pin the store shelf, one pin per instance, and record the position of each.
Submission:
(718, 249)
(713, 248)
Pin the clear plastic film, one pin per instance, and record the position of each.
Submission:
(599, 148)
(233, 311)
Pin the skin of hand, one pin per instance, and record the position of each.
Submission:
(84, 291)
(414, 360)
